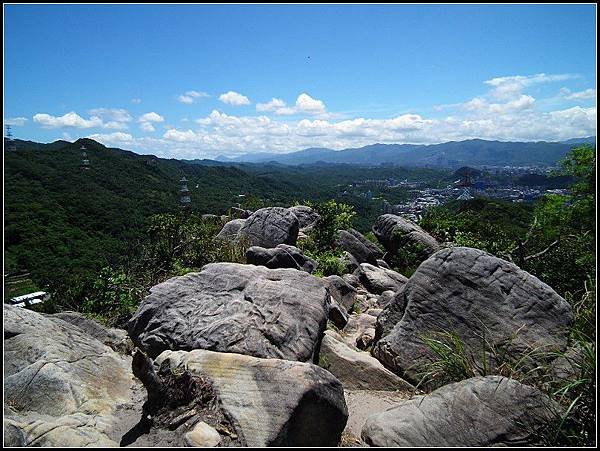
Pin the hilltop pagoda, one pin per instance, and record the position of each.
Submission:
(184, 195)
(85, 162)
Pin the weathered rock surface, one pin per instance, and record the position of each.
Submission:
(385, 298)
(358, 325)
(481, 411)
(377, 280)
(230, 230)
(396, 232)
(229, 307)
(63, 387)
(337, 315)
(117, 339)
(270, 402)
(281, 256)
(356, 369)
(358, 246)
(269, 227)
(341, 291)
(348, 262)
(307, 217)
(472, 294)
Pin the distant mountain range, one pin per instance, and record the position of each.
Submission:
(473, 152)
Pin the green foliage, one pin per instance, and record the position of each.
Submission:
(333, 217)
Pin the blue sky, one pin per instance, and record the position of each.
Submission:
(201, 80)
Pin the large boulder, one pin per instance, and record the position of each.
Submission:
(359, 327)
(396, 232)
(358, 246)
(229, 307)
(62, 386)
(269, 227)
(269, 402)
(341, 291)
(377, 280)
(282, 256)
(117, 339)
(488, 302)
(230, 230)
(307, 217)
(355, 369)
(481, 411)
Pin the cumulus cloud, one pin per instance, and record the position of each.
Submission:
(112, 114)
(234, 98)
(70, 119)
(581, 95)
(305, 104)
(191, 97)
(112, 138)
(512, 86)
(15, 121)
(147, 127)
(151, 117)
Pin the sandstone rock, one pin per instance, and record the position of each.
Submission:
(203, 435)
(282, 256)
(117, 339)
(357, 326)
(382, 264)
(377, 280)
(351, 279)
(230, 230)
(385, 298)
(472, 294)
(481, 411)
(307, 217)
(240, 213)
(341, 291)
(230, 307)
(357, 370)
(348, 262)
(396, 232)
(337, 315)
(269, 227)
(270, 402)
(358, 246)
(63, 387)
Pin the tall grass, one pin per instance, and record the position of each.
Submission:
(573, 388)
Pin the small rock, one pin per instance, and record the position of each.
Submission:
(202, 435)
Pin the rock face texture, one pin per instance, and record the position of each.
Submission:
(117, 339)
(355, 369)
(282, 256)
(269, 227)
(341, 291)
(481, 411)
(472, 294)
(358, 246)
(230, 230)
(270, 402)
(307, 217)
(395, 232)
(229, 307)
(63, 387)
(377, 280)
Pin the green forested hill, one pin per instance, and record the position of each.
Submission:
(60, 218)
(62, 221)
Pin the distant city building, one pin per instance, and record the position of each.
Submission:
(184, 193)
(465, 195)
(85, 162)
(30, 299)
(9, 142)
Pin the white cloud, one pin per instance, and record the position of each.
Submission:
(191, 96)
(112, 138)
(15, 121)
(151, 117)
(273, 105)
(581, 95)
(147, 127)
(234, 98)
(307, 104)
(136, 100)
(512, 86)
(71, 119)
(112, 114)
